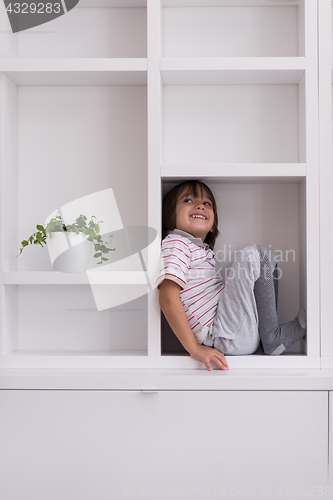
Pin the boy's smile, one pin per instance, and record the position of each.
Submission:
(195, 215)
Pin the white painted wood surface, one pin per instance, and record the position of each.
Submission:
(154, 158)
(179, 97)
(86, 443)
(326, 190)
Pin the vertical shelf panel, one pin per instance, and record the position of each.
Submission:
(154, 159)
(8, 211)
(312, 184)
(325, 11)
(200, 29)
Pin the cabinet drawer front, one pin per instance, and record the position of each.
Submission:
(86, 444)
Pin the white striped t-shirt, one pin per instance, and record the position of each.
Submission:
(191, 263)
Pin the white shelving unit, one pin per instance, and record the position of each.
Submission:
(138, 95)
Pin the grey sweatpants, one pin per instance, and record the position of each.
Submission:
(234, 329)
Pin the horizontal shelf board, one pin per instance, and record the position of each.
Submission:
(57, 278)
(166, 380)
(326, 362)
(111, 3)
(122, 71)
(77, 353)
(229, 3)
(232, 70)
(237, 172)
(130, 360)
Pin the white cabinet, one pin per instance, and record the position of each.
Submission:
(135, 96)
(97, 444)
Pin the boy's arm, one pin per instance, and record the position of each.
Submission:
(173, 310)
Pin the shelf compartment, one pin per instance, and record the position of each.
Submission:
(75, 71)
(236, 172)
(260, 28)
(99, 31)
(230, 124)
(265, 213)
(69, 142)
(237, 71)
(64, 318)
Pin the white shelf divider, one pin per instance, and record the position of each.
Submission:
(326, 180)
(312, 214)
(257, 172)
(101, 71)
(154, 155)
(232, 70)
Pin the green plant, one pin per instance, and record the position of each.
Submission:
(56, 225)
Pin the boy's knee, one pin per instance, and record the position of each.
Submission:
(247, 254)
(264, 251)
(247, 261)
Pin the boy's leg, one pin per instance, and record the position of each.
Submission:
(275, 338)
(276, 290)
(235, 327)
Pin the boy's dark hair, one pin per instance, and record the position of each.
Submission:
(169, 208)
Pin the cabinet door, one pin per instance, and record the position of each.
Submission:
(114, 444)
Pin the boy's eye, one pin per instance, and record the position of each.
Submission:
(189, 200)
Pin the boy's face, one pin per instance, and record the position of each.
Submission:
(195, 215)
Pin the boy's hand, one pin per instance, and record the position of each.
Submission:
(206, 354)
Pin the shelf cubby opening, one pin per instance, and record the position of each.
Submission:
(263, 213)
(67, 142)
(233, 124)
(90, 30)
(62, 320)
(228, 28)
